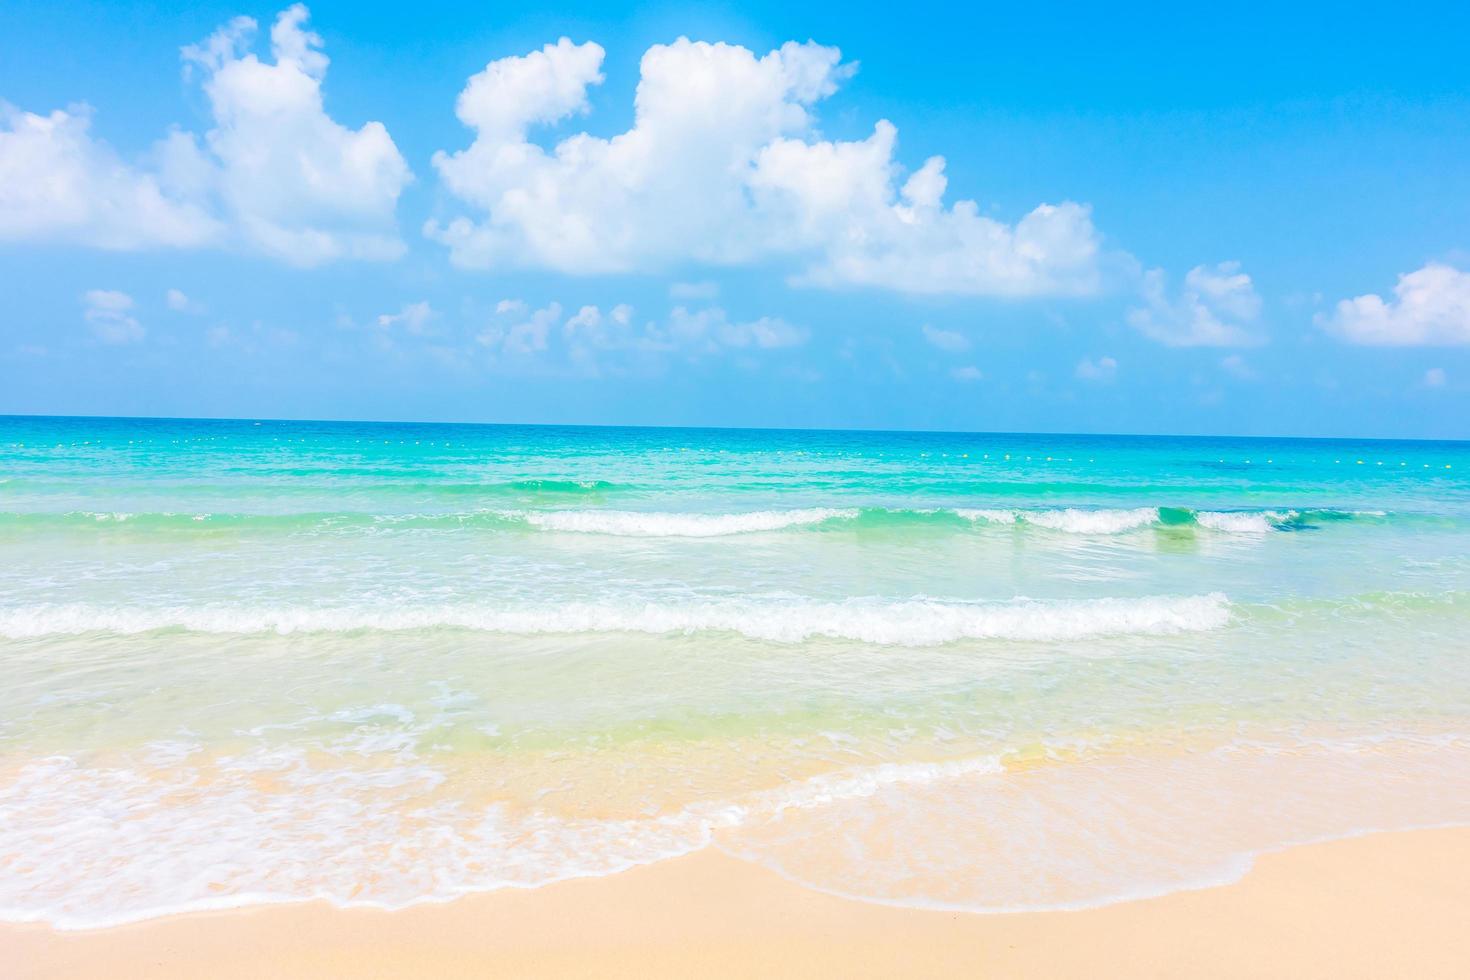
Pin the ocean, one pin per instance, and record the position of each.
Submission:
(388, 663)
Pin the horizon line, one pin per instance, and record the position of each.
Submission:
(5, 416)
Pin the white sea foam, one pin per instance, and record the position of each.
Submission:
(1080, 836)
(855, 784)
(1243, 522)
(1072, 520)
(1102, 521)
(184, 849)
(1076, 521)
(906, 622)
(983, 516)
(651, 524)
(96, 847)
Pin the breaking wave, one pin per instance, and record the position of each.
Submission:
(627, 523)
(908, 622)
(675, 524)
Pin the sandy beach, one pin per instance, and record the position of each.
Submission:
(1375, 906)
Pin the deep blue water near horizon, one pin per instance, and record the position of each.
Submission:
(862, 462)
(124, 423)
(380, 663)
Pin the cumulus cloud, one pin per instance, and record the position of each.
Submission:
(724, 165)
(59, 184)
(707, 330)
(298, 184)
(274, 174)
(526, 335)
(593, 338)
(767, 333)
(1217, 307)
(1102, 369)
(108, 313)
(946, 340)
(591, 329)
(1430, 307)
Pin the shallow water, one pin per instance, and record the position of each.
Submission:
(384, 663)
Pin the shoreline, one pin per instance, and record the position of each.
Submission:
(1380, 904)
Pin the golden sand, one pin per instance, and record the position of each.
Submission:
(1388, 905)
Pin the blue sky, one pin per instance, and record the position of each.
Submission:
(1251, 222)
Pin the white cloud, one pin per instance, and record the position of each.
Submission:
(711, 329)
(412, 317)
(1434, 378)
(1103, 369)
(1430, 306)
(591, 331)
(766, 333)
(946, 340)
(58, 184)
(298, 184)
(723, 165)
(967, 373)
(179, 302)
(587, 318)
(1218, 307)
(274, 174)
(527, 335)
(593, 338)
(109, 314)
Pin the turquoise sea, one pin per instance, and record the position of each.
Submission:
(382, 663)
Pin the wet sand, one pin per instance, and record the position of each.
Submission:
(1382, 905)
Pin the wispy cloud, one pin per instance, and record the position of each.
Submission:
(946, 340)
(1238, 367)
(178, 301)
(412, 317)
(1103, 369)
(1217, 307)
(705, 289)
(108, 313)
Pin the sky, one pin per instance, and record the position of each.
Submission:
(1243, 221)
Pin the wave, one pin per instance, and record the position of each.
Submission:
(684, 524)
(1072, 520)
(627, 523)
(1257, 522)
(1103, 520)
(907, 622)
